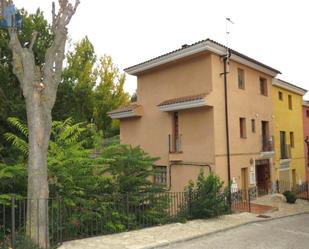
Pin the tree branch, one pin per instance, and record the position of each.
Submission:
(17, 51)
(34, 36)
(65, 13)
(55, 53)
(71, 11)
(53, 13)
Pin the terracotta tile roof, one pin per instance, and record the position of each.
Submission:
(128, 108)
(183, 99)
(204, 41)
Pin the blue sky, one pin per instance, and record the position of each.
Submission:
(271, 31)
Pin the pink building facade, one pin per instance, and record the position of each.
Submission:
(306, 133)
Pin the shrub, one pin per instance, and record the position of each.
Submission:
(207, 197)
(290, 196)
(21, 242)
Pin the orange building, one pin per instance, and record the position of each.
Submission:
(185, 116)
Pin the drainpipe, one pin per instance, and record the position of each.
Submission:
(184, 163)
(225, 62)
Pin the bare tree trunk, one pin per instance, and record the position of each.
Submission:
(39, 86)
(39, 124)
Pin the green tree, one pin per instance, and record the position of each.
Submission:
(72, 171)
(75, 94)
(109, 186)
(108, 95)
(38, 70)
(131, 169)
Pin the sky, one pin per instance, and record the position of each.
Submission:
(274, 32)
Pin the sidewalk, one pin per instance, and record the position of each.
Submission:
(164, 235)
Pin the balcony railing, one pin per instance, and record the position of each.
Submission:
(174, 143)
(267, 144)
(285, 151)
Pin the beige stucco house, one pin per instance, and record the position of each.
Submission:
(180, 115)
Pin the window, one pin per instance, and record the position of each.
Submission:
(290, 102)
(242, 126)
(307, 113)
(263, 86)
(253, 125)
(266, 139)
(292, 139)
(175, 143)
(241, 78)
(160, 175)
(283, 146)
(280, 95)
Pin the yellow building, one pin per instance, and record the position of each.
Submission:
(288, 129)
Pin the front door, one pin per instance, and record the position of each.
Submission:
(263, 178)
(244, 182)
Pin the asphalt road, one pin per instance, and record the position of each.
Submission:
(285, 233)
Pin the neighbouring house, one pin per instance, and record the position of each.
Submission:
(289, 132)
(306, 135)
(180, 115)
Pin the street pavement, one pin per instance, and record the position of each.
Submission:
(284, 233)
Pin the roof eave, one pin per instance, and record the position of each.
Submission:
(206, 45)
(121, 115)
(203, 46)
(183, 105)
(289, 87)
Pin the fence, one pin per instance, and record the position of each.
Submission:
(242, 199)
(106, 214)
(96, 215)
(14, 224)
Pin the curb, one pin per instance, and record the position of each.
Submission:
(219, 231)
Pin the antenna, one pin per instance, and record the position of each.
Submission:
(227, 32)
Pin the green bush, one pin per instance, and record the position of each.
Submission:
(290, 196)
(207, 197)
(102, 190)
(21, 242)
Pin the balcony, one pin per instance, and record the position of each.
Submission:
(285, 152)
(267, 146)
(175, 151)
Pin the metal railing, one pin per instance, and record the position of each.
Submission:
(267, 143)
(242, 198)
(107, 214)
(174, 143)
(96, 215)
(16, 222)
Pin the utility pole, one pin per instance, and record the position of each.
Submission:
(226, 58)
